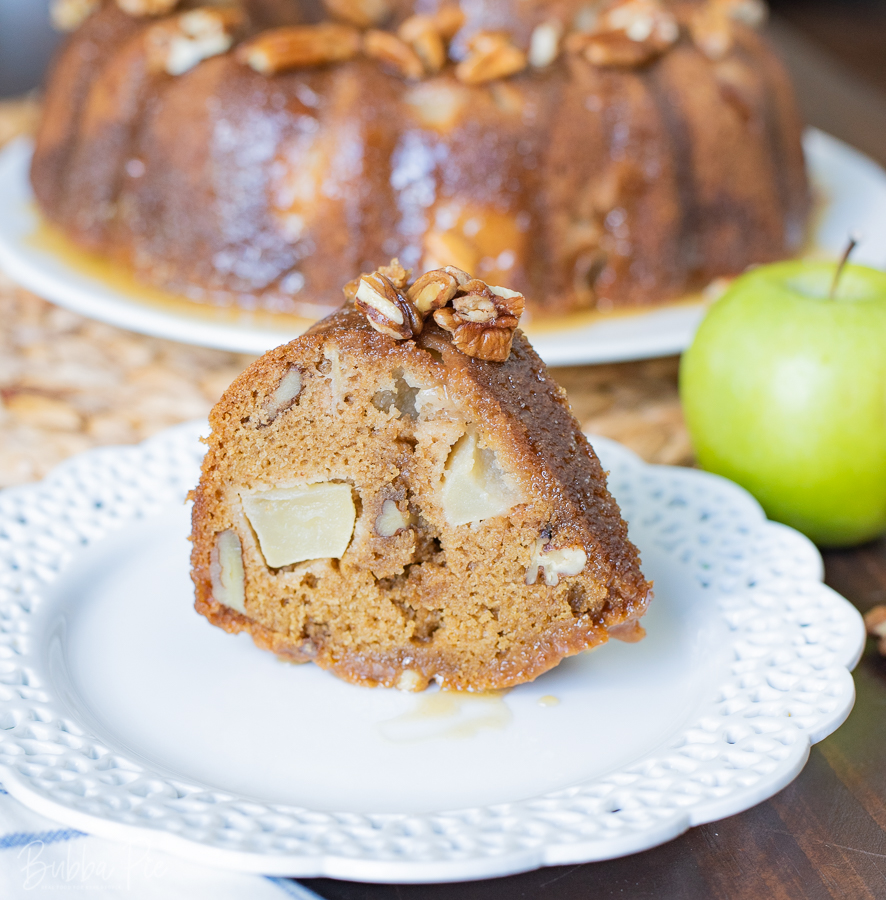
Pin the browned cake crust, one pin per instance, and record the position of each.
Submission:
(432, 600)
(581, 185)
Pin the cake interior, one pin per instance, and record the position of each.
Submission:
(382, 516)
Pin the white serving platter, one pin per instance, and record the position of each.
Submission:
(125, 714)
(851, 190)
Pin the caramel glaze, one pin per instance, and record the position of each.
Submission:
(527, 421)
(582, 187)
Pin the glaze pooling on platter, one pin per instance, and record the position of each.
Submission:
(628, 168)
(850, 187)
(787, 685)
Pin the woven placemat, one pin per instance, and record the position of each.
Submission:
(68, 383)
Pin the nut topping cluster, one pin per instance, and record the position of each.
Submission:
(177, 44)
(419, 48)
(491, 56)
(628, 33)
(480, 317)
(624, 33)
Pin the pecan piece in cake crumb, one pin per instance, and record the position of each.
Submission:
(391, 521)
(393, 53)
(226, 571)
(176, 45)
(387, 308)
(491, 55)
(360, 13)
(68, 15)
(482, 320)
(629, 33)
(299, 46)
(875, 622)
(283, 397)
(554, 563)
(147, 7)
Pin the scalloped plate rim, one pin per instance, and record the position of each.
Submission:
(476, 867)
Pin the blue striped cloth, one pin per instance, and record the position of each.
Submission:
(37, 855)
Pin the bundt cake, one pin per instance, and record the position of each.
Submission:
(402, 495)
(591, 154)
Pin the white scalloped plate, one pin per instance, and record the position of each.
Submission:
(124, 713)
(850, 187)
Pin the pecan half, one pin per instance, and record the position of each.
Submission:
(629, 33)
(299, 46)
(176, 45)
(360, 13)
(436, 288)
(393, 53)
(482, 320)
(423, 35)
(388, 309)
(491, 55)
(147, 7)
(68, 15)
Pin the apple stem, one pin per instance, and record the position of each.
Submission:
(853, 243)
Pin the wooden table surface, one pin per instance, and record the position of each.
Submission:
(67, 384)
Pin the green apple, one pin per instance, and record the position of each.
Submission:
(784, 391)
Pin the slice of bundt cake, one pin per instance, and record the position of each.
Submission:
(402, 498)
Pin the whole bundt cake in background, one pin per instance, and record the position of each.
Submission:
(592, 155)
